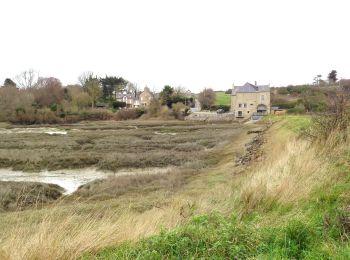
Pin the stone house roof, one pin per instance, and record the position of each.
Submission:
(250, 88)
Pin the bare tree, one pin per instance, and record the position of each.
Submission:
(206, 98)
(94, 90)
(48, 91)
(85, 77)
(27, 79)
(133, 88)
(335, 120)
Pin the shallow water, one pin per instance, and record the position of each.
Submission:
(38, 130)
(70, 180)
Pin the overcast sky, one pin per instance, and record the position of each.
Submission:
(194, 44)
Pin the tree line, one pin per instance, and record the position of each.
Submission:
(29, 99)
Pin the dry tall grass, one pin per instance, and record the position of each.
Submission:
(59, 236)
(292, 169)
(67, 231)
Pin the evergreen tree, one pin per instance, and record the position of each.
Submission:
(332, 77)
(9, 83)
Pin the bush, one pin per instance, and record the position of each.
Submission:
(118, 104)
(53, 107)
(165, 113)
(154, 108)
(96, 114)
(299, 109)
(282, 91)
(42, 116)
(126, 114)
(285, 105)
(179, 110)
(298, 89)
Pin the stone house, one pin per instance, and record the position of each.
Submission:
(250, 100)
(133, 100)
(145, 97)
(130, 99)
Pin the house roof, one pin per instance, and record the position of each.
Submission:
(128, 95)
(250, 88)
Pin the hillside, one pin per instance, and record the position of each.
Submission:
(222, 98)
(292, 203)
(303, 98)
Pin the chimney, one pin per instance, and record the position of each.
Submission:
(255, 83)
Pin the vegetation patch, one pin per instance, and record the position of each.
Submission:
(221, 98)
(22, 195)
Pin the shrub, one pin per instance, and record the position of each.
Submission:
(285, 105)
(118, 104)
(165, 113)
(332, 125)
(179, 110)
(154, 108)
(282, 91)
(299, 109)
(53, 107)
(126, 114)
(96, 114)
(41, 116)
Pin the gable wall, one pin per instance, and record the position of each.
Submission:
(252, 100)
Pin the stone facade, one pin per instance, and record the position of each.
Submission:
(134, 101)
(145, 97)
(249, 100)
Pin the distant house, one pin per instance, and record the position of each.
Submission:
(130, 99)
(249, 100)
(145, 97)
(133, 100)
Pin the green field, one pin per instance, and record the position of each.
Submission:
(222, 98)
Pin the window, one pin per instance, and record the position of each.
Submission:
(245, 105)
(239, 105)
(251, 104)
(240, 113)
(262, 98)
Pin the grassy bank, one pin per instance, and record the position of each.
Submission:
(292, 204)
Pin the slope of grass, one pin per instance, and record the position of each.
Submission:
(295, 204)
(222, 98)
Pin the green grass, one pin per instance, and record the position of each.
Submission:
(222, 98)
(318, 228)
(295, 123)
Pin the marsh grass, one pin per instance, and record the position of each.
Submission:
(112, 145)
(125, 208)
(292, 204)
(22, 195)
